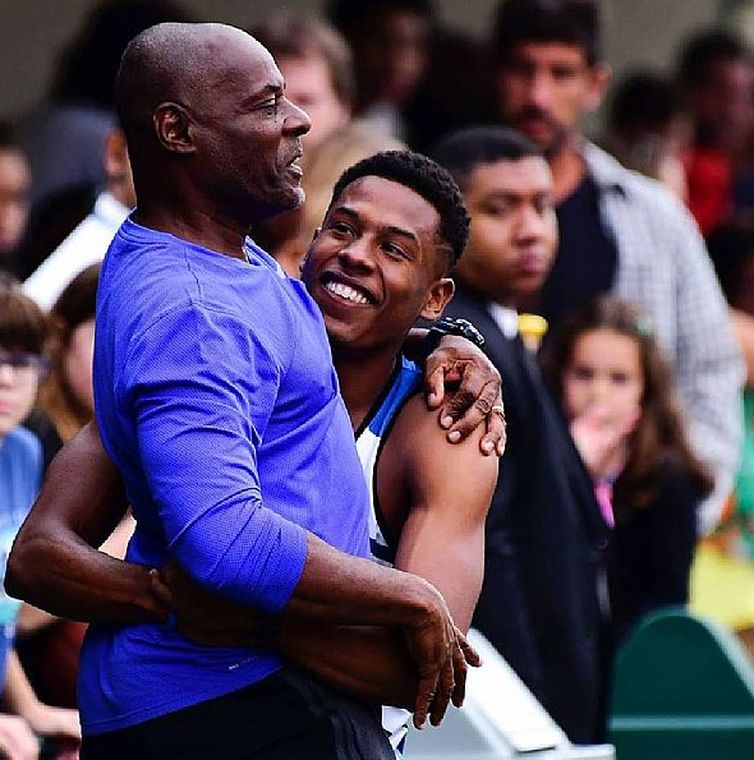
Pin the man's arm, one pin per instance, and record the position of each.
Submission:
(445, 492)
(54, 567)
(52, 564)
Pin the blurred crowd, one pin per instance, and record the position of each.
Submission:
(636, 247)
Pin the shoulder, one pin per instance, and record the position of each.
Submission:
(168, 281)
(426, 454)
(644, 193)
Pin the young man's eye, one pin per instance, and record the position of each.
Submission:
(341, 228)
(394, 251)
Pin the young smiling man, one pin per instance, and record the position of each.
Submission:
(619, 231)
(395, 228)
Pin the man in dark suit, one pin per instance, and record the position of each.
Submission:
(540, 603)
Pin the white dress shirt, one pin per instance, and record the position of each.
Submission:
(505, 318)
(86, 245)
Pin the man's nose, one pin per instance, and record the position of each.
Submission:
(530, 224)
(297, 120)
(356, 256)
(540, 90)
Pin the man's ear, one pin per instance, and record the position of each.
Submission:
(172, 125)
(600, 76)
(440, 293)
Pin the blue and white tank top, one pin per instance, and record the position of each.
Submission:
(405, 382)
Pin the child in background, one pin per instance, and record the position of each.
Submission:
(616, 386)
(23, 334)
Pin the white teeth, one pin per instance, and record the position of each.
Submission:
(346, 291)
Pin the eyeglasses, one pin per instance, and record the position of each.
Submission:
(23, 363)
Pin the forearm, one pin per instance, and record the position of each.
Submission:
(337, 589)
(65, 576)
(55, 565)
(17, 692)
(369, 663)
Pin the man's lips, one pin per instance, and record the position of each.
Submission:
(345, 289)
(534, 121)
(531, 265)
(293, 166)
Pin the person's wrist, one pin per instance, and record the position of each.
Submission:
(419, 600)
(448, 326)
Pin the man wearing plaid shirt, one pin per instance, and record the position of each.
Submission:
(620, 231)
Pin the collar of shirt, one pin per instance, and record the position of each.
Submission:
(605, 171)
(110, 210)
(505, 318)
(255, 255)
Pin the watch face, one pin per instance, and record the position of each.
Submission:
(471, 333)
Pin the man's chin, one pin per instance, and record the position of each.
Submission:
(294, 198)
(550, 141)
(286, 202)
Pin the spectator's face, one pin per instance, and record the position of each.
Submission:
(604, 374)
(376, 265)
(309, 85)
(545, 88)
(247, 134)
(77, 364)
(723, 105)
(19, 380)
(513, 232)
(15, 180)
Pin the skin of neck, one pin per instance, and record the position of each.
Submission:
(176, 206)
(362, 375)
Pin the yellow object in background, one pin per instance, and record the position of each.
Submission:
(532, 328)
(722, 587)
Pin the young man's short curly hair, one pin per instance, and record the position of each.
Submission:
(425, 177)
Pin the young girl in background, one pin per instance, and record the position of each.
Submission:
(618, 394)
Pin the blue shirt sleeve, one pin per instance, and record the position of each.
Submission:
(202, 385)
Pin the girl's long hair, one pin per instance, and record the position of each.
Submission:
(75, 305)
(659, 441)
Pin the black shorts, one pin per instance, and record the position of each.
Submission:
(287, 716)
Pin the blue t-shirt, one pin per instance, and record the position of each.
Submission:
(20, 476)
(216, 397)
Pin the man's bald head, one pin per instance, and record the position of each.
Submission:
(179, 63)
(207, 122)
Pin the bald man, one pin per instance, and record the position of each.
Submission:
(217, 400)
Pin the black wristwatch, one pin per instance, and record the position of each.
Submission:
(449, 326)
